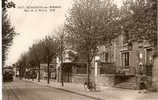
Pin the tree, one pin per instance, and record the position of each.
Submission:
(22, 64)
(48, 51)
(139, 20)
(89, 23)
(61, 37)
(8, 32)
(35, 56)
(43, 51)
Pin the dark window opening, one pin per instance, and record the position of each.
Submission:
(106, 57)
(125, 59)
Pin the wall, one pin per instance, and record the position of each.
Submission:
(155, 73)
(105, 80)
(102, 80)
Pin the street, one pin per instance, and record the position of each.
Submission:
(24, 90)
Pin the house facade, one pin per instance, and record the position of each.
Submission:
(121, 61)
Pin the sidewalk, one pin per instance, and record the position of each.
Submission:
(105, 93)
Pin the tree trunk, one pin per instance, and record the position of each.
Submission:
(20, 72)
(62, 69)
(39, 76)
(48, 77)
(88, 68)
(62, 76)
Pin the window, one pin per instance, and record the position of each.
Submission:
(125, 58)
(106, 57)
(149, 57)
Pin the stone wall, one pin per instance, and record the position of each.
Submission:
(102, 80)
(106, 80)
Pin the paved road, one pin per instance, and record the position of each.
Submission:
(24, 90)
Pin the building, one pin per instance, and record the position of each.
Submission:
(116, 64)
(121, 61)
(73, 69)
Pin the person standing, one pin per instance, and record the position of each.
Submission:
(142, 83)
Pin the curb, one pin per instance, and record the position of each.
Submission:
(66, 90)
(77, 93)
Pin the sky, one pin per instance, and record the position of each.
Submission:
(33, 26)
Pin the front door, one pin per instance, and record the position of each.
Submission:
(149, 61)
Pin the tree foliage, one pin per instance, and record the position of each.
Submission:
(35, 54)
(89, 22)
(8, 32)
(49, 48)
(22, 64)
(61, 39)
(139, 20)
(8, 35)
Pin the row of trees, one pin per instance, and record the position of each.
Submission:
(43, 51)
(96, 22)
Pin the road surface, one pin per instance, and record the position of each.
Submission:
(24, 90)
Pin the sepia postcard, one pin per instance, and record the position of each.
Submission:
(79, 50)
